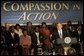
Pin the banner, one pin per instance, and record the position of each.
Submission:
(41, 11)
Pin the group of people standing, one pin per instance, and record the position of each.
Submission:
(27, 40)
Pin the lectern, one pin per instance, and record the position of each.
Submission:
(66, 42)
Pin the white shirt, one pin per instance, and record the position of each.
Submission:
(18, 32)
(60, 33)
(79, 32)
(12, 35)
(37, 34)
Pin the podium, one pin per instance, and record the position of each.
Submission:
(66, 42)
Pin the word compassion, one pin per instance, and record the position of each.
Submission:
(9, 6)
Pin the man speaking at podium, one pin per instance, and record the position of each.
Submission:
(59, 32)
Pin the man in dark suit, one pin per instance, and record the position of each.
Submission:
(29, 28)
(37, 40)
(12, 40)
(59, 32)
(79, 34)
(70, 29)
(79, 37)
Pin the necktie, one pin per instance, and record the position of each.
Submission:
(60, 34)
(79, 32)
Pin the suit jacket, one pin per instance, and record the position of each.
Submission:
(34, 39)
(11, 40)
(79, 36)
(30, 31)
(55, 34)
(71, 31)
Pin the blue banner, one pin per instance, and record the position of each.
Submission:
(41, 11)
